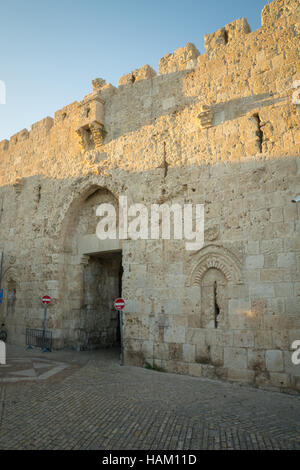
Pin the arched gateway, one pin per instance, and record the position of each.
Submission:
(92, 276)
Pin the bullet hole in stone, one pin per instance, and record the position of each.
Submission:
(259, 131)
(38, 197)
(166, 165)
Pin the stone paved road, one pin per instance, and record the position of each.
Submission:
(94, 403)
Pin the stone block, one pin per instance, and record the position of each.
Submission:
(253, 247)
(195, 336)
(244, 339)
(254, 261)
(217, 356)
(208, 371)
(235, 358)
(237, 322)
(147, 348)
(240, 375)
(274, 360)
(195, 370)
(239, 306)
(280, 380)
(161, 351)
(261, 290)
(174, 334)
(175, 352)
(256, 360)
(286, 260)
(189, 351)
(280, 339)
(176, 367)
(194, 321)
(172, 307)
(274, 245)
(292, 306)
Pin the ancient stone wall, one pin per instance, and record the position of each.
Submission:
(219, 129)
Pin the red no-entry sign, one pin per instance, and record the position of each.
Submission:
(46, 299)
(119, 304)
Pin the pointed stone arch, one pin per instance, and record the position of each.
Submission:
(217, 257)
(80, 190)
(10, 274)
(84, 266)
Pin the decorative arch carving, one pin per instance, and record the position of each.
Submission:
(80, 190)
(218, 257)
(10, 274)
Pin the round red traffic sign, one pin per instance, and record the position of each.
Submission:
(46, 300)
(119, 304)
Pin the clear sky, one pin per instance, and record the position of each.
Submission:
(52, 49)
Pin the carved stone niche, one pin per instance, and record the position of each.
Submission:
(91, 121)
(205, 116)
(214, 270)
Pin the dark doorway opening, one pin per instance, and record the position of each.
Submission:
(102, 285)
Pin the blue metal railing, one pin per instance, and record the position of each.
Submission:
(39, 338)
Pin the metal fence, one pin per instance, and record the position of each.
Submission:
(39, 338)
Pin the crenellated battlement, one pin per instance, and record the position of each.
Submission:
(184, 58)
(231, 51)
(232, 32)
(143, 73)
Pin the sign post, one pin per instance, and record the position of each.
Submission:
(1, 262)
(119, 304)
(46, 301)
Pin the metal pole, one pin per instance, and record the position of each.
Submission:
(121, 337)
(1, 263)
(44, 328)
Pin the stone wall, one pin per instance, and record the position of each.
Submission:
(219, 129)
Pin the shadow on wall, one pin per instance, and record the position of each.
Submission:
(248, 210)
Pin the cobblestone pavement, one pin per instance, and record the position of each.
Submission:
(20, 369)
(94, 403)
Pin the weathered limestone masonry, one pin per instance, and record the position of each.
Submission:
(219, 129)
